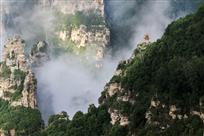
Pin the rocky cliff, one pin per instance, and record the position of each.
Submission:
(39, 54)
(95, 37)
(18, 88)
(159, 90)
(17, 82)
(75, 25)
(115, 91)
(82, 26)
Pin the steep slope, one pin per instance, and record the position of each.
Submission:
(80, 28)
(16, 75)
(159, 91)
(18, 103)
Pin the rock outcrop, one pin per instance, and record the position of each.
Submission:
(17, 82)
(118, 118)
(114, 90)
(95, 37)
(39, 54)
(91, 35)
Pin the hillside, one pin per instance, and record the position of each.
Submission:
(159, 91)
(19, 114)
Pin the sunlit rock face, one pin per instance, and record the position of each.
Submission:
(17, 82)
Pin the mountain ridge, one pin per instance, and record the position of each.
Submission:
(158, 91)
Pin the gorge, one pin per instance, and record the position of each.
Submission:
(71, 50)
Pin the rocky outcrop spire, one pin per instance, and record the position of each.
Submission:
(39, 54)
(17, 82)
(13, 54)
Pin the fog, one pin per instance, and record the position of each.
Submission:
(70, 84)
(66, 83)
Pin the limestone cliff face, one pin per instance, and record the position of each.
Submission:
(115, 94)
(114, 90)
(17, 82)
(84, 37)
(163, 113)
(94, 35)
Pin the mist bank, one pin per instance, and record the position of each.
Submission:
(125, 19)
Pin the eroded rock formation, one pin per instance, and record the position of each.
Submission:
(39, 54)
(17, 82)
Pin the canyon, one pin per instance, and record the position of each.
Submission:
(137, 100)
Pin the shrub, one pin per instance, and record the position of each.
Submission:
(26, 121)
(19, 74)
(5, 71)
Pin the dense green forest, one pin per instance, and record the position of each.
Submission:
(26, 121)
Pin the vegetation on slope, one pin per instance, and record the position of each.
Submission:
(94, 123)
(19, 75)
(66, 23)
(6, 72)
(26, 121)
(172, 69)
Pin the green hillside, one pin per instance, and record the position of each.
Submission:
(169, 71)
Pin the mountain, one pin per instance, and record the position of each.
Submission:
(158, 91)
(74, 26)
(19, 114)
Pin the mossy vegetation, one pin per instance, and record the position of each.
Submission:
(5, 71)
(19, 75)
